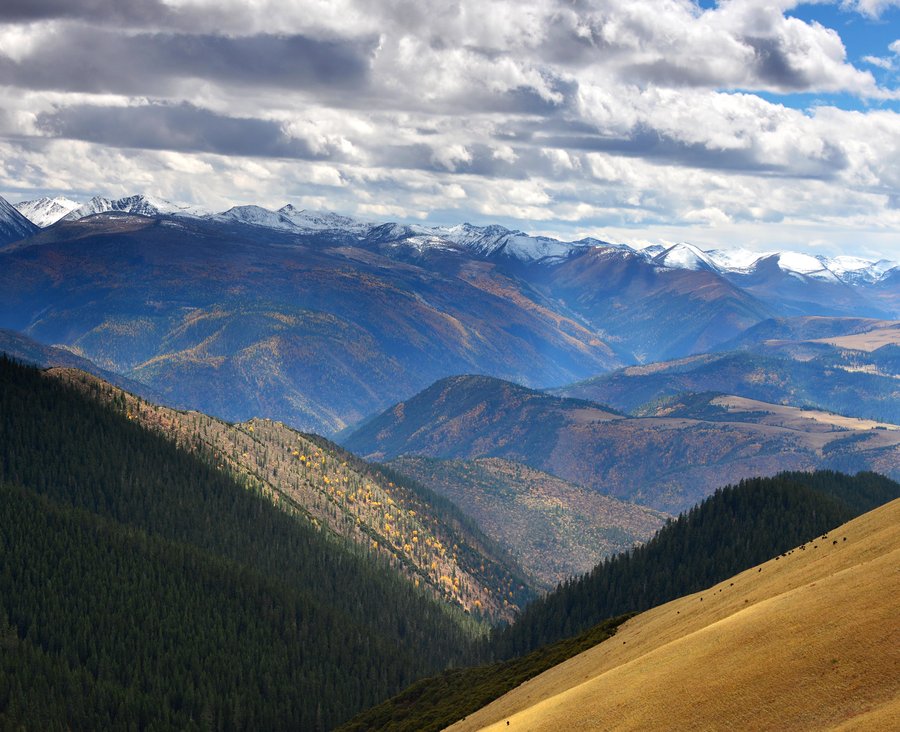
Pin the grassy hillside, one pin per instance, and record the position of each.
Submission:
(554, 528)
(807, 640)
(423, 536)
(141, 586)
(735, 528)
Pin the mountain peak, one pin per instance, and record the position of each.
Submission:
(45, 211)
(685, 256)
(140, 204)
(13, 225)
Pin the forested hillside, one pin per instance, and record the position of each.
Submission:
(141, 587)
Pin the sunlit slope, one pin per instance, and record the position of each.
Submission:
(810, 640)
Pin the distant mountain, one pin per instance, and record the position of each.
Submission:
(318, 319)
(13, 225)
(645, 311)
(44, 212)
(662, 461)
(555, 529)
(241, 321)
(816, 374)
(137, 204)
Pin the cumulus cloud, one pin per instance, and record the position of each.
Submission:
(592, 113)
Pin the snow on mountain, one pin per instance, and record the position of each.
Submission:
(44, 212)
(856, 269)
(13, 225)
(320, 221)
(805, 264)
(684, 256)
(140, 204)
(256, 216)
(735, 260)
(498, 240)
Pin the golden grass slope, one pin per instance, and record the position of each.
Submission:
(808, 641)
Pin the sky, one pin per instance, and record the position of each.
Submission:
(760, 124)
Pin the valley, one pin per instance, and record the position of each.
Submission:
(484, 448)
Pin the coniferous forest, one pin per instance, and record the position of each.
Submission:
(142, 588)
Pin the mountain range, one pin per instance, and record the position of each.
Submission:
(667, 460)
(504, 414)
(319, 320)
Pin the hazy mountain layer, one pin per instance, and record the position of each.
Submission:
(665, 462)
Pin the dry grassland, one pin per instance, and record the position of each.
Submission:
(810, 641)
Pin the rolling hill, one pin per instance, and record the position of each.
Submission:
(804, 641)
(664, 462)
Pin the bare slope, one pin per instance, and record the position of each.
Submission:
(554, 529)
(808, 640)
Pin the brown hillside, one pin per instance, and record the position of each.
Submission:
(809, 640)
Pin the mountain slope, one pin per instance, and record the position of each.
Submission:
(805, 642)
(424, 538)
(241, 321)
(852, 384)
(664, 462)
(695, 550)
(650, 311)
(13, 225)
(735, 528)
(142, 587)
(555, 529)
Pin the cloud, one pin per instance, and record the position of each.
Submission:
(98, 60)
(104, 11)
(614, 113)
(181, 127)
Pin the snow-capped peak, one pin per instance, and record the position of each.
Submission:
(317, 221)
(856, 269)
(257, 216)
(805, 264)
(46, 211)
(684, 256)
(13, 225)
(140, 204)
